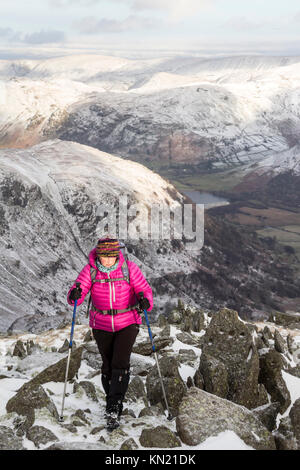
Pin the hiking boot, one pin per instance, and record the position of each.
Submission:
(113, 417)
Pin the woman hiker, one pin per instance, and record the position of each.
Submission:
(114, 318)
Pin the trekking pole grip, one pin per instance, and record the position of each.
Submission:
(73, 320)
(141, 295)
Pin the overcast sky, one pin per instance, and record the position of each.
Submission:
(214, 25)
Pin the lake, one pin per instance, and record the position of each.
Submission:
(208, 199)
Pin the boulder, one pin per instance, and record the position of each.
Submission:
(89, 389)
(92, 356)
(20, 350)
(8, 439)
(40, 435)
(129, 444)
(203, 415)
(173, 384)
(161, 437)
(230, 341)
(267, 336)
(187, 338)
(136, 389)
(267, 414)
(28, 398)
(187, 356)
(56, 372)
(284, 436)
(81, 415)
(280, 345)
(156, 410)
(145, 348)
(198, 380)
(140, 365)
(176, 316)
(214, 375)
(287, 320)
(295, 421)
(162, 320)
(292, 345)
(166, 331)
(271, 365)
(65, 346)
(88, 337)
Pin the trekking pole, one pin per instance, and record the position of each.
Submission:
(61, 418)
(170, 417)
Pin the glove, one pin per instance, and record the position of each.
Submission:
(75, 293)
(144, 304)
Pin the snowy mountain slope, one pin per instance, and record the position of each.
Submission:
(227, 111)
(50, 195)
(287, 161)
(186, 125)
(86, 66)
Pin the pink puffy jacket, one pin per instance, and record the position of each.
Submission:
(113, 295)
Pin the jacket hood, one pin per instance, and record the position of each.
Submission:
(93, 257)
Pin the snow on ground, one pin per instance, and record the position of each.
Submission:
(22, 370)
(79, 400)
(293, 385)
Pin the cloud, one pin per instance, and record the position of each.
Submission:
(241, 23)
(5, 32)
(9, 35)
(64, 3)
(185, 7)
(44, 37)
(175, 9)
(90, 25)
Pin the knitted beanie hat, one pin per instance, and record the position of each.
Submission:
(108, 247)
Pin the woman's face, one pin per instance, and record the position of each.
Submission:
(107, 261)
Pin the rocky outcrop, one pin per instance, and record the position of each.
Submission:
(202, 415)
(230, 362)
(271, 365)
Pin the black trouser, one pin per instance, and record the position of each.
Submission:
(115, 349)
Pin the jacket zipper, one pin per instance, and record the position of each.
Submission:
(110, 300)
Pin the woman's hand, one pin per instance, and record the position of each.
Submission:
(75, 293)
(144, 304)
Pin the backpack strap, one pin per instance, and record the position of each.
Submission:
(93, 272)
(125, 268)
